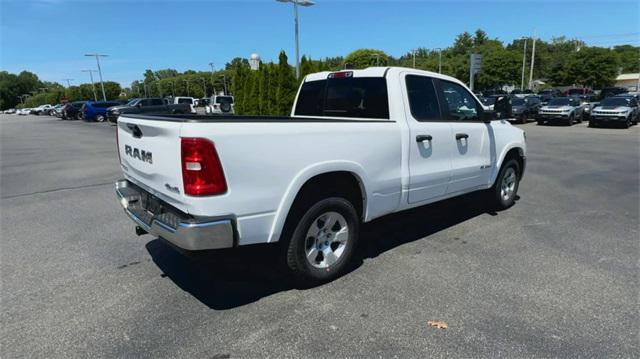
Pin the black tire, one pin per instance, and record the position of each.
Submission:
(627, 123)
(523, 118)
(79, 116)
(496, 198)
(100, 118)
(570, 120)
(580, 118)
(540, 122)
(295, 247)
(593, 123)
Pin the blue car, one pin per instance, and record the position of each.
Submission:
(96, 111)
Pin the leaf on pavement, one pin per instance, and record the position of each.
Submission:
(438, 324)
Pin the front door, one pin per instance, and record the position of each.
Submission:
(471, 158)
(430, 142)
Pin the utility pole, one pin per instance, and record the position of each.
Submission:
(377, 56)
(305, 3)
(173, 88)
(213, 79)
(533, 54)
(159, 90)
(204, 86)
(414, 58)
(224, 80)
(187, 81)
(68, 82)
(98, 56)
(524, 62)
(439, 59)
(93, 85)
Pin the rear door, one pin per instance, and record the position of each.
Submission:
(430, 142)
(150, 155)
(471, 157)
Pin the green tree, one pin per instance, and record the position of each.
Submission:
(285, 90)
(363, 58)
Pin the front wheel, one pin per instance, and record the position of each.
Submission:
(100, 118)
(323, 241)
(504, 190)
(570, 120)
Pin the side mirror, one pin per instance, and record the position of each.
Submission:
(502, 108)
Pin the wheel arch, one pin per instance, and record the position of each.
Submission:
(515, 151)
(319, 176)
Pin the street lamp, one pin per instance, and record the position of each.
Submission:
(305, 3)
(439, 59)
(95, 95)
(98, 56)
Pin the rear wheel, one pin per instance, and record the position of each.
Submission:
(323, 240)
(100, 118)
(79, 116)
(504, 190)
(540, 122)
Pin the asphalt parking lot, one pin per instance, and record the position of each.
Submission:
(554, 276)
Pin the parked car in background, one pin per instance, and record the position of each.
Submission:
(525, 108)
(546, 95)
(566, 110)
(220, 105)
(185, 100)
(577, 91)
(42, 110)
(24, 111)
(521, 93)
(358, 145)
(203, 102)
(619, 110)
(96, 111)
(71, 110)
(10, 111)
(156, 106)
(612, 91)
(57, 110)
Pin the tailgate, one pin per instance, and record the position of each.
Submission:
(150, 156)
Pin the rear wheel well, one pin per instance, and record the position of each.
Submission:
(333, 184)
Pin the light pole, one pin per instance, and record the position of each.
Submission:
(305, 3)
(439, 59)
(93, 85)
(213, 79)
(159, 89)
(173, 88)
(68, 82)
(524, 62)
(98, 56)
(224, 81)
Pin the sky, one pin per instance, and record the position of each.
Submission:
(50, 37)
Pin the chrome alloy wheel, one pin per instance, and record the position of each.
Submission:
(326, 239)
(508, 185)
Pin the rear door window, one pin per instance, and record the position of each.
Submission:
(423, 100)
(157, 102)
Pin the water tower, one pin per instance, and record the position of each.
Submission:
(254, 62)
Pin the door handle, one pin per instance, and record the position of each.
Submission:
(422, 138)
(460, 136)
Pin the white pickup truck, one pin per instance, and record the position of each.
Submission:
(359, 144)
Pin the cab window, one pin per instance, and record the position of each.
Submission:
(423, 100)
(459, 103)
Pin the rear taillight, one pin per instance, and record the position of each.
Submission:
(202, 173)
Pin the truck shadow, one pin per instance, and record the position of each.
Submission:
(228, 279)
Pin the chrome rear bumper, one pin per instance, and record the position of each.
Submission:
(160, 219)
